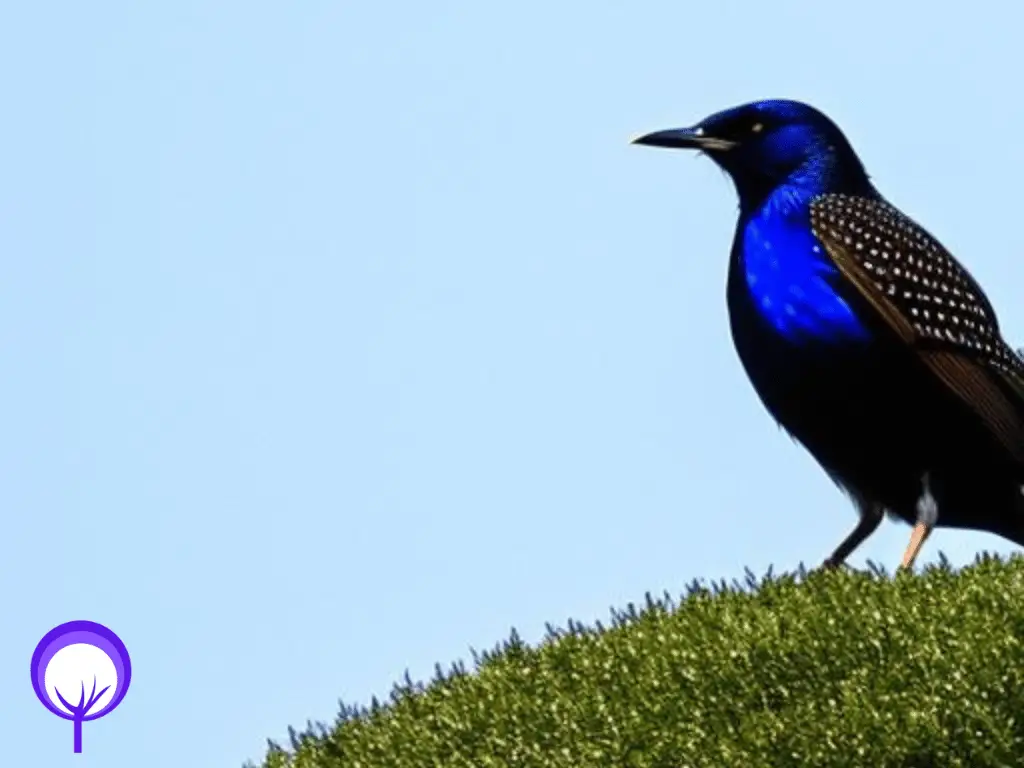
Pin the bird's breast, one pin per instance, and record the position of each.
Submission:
(791, 283)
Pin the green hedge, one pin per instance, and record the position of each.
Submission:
(818, 669)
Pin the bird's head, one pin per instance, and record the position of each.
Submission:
(765, 144)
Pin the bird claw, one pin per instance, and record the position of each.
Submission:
(832, 565)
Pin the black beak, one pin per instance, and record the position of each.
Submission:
(685, 138)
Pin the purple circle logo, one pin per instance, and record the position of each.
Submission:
(80, 671)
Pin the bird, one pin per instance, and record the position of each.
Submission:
(862, 335)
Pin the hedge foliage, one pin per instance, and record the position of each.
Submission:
(806, 669)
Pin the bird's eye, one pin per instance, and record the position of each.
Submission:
(757, 127)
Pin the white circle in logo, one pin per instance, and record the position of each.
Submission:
(75, 666)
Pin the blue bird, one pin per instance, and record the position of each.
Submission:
(865, 339)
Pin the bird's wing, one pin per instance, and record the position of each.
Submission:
(931, 301)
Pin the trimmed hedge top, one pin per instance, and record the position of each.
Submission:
(819, 669)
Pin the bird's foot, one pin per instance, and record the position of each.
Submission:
(831, 564)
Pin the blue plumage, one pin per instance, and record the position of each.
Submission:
(791, 280)
(861, 334)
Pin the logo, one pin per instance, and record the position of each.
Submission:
(80, 671)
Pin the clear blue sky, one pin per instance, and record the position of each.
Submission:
(337, 338)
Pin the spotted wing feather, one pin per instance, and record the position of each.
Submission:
(931, 301)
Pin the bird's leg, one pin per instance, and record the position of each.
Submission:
(927, 516)
(871, 515)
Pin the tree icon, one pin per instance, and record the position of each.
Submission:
(80, 671)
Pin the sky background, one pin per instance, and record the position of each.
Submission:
(338, 338)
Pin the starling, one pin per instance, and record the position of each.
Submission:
(865, 339)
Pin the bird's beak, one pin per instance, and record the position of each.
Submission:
(685, 138)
